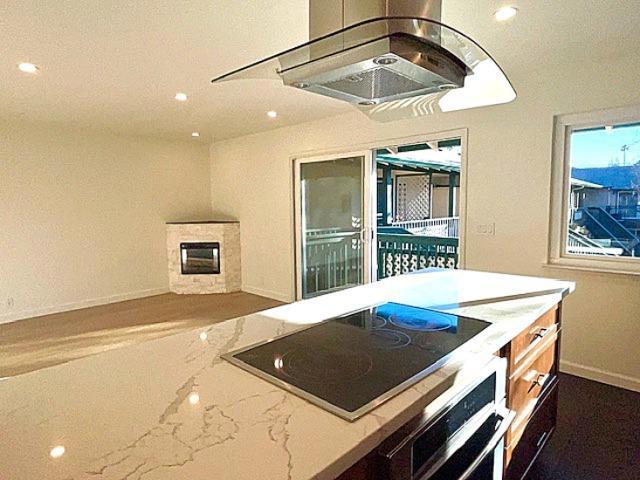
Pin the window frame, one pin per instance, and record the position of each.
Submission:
(564, 125)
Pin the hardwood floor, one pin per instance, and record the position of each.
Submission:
(41, 342)
(597, 436)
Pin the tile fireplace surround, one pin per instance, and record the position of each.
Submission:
(226, 235)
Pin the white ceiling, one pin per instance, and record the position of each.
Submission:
(117, 65)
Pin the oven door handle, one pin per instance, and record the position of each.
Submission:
(507, 418)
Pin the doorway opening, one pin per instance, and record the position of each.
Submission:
(418, 207)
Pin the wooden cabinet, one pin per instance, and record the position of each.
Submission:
(523, 452)
(532, 392)
(526, 344)
(532, 358)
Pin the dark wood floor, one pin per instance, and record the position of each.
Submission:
(597, 436)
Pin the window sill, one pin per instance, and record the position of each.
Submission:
(592, 266)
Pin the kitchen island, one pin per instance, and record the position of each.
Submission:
(174, 409)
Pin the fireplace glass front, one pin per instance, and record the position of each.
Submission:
(200, 258)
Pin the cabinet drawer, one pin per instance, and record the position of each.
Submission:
(521, 454)
(529, 382)
(527, 341)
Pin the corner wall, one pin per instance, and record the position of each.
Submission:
(509, 153)
(82, 215)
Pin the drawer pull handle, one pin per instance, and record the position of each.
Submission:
(541, 439)
(539, 334)
(540, 380)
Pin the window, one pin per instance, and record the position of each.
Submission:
(595, 218)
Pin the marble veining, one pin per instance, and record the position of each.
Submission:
(173, 409)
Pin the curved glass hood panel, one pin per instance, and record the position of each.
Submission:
(390, 68)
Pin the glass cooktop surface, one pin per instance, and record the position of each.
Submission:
(350, 364)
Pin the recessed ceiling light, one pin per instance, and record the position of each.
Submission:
(272, 114)
(181, 97)
(57, 451)
(203, 336)
(195, 134)
(194, 398)
(28, 68)
(505, 13)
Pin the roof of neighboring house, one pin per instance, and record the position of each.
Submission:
(625, 177)
(418, 166)
(581, 183)
(428, 160)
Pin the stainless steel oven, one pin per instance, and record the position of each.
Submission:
(464, 440)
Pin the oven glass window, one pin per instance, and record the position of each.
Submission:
(430, 441)
(469, 452)
(485, 470)
(200, 258)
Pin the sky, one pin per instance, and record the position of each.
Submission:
(599, 148)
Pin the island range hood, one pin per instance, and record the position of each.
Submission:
(377, 54)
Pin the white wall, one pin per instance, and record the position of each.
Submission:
(82, 215)
(508, 183)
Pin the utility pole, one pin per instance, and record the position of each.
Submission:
(625, 148)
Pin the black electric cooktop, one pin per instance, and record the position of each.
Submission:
(351, 364)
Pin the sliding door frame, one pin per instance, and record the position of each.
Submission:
(366, 235)
(370, 189)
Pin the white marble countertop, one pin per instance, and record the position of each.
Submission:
(173, 409)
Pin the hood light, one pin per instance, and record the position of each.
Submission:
(505, 13)
(278, 363)
(385, 60)
(181, 97)
(301, 85)
(368, 103)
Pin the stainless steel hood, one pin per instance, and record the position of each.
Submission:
(399, 63)
(379, 54)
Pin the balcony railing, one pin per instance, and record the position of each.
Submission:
(624, 211)
(448, 227)
(399, 254)
(333, 259)
(578, 244)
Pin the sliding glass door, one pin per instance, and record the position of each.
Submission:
(333, 222)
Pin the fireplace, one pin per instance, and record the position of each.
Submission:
(204, 257)
(201, 258)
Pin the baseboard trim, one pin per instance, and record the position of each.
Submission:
(67, 307)
(263, 292)
(599, 375)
